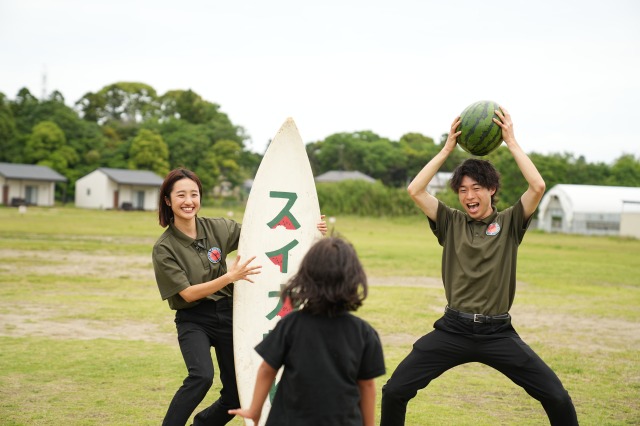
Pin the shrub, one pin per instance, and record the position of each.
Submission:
(361, 198)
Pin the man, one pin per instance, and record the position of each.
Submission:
(479, 256)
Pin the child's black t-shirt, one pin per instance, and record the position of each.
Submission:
(323, 360)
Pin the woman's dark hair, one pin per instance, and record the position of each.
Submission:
(165, 214)
(330, 279)
(482, 171)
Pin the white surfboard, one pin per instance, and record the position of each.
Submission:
(279, 226)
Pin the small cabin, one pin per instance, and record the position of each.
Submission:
(107, 188)
(28, 184)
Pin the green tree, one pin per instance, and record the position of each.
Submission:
(126, 102)
(513, 184)
(191, 146)
(363, 151)
(61, 160)
(340, 151)
(188, 106)
(384, 160)
(23, 108)
(249, 162)
(92, 106)
(418, 150)
(625, 171)
(86, 138)
(102, 128)
(116, 150)
(227, 154)
(9, 148)
(208, 170)
(187, 142)
(582, 172)
(46, 138)
(47, 145)
(149, 152)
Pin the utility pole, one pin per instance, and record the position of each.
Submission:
(43, 96)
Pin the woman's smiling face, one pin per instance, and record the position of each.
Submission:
(184, 200)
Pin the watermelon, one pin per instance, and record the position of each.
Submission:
(479, 134)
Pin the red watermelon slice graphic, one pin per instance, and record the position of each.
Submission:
(286, 222)
(286, 308)
(278, 260)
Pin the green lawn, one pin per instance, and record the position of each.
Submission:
(86, 340)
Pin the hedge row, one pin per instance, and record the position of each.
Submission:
(361, 198)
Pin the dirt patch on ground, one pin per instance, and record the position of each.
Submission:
(583, 334)
(78, 263)
(549, 328)
(555, 328)
(23, 325)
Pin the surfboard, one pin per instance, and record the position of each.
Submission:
(279, 226)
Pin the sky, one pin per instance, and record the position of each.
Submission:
(567, 71)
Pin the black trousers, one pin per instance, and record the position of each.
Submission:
(206, 325)
(458, 341)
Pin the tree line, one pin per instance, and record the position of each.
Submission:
(126, 126)
(129, 125)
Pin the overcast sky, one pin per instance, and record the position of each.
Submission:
(568, 71)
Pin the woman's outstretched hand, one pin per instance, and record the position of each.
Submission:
(240, 270)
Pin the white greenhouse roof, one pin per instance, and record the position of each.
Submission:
(591, 198)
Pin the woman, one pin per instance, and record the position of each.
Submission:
(189, 260)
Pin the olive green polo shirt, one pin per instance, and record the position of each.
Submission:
(479, 257)
(180, 261)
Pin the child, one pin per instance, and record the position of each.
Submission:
(330, 356)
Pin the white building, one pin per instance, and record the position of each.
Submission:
(106, 188)
(591, 210)
(340, 175)
(630, 219)
(439, 183)
(28, 184)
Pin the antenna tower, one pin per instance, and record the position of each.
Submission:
(44, 83)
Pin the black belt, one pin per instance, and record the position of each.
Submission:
(484, 319)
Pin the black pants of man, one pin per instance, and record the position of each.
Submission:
(457, 341)
(206, 325)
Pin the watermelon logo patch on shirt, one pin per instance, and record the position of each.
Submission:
(214, 255)
(493, 229)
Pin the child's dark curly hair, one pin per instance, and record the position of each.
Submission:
(482, 171)
(330, 279)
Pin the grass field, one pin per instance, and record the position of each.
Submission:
(86, 340)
